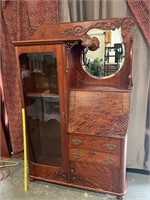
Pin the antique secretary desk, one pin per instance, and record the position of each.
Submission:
(75, 80)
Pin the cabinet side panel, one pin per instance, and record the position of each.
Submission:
(71, 115)
(126, 102)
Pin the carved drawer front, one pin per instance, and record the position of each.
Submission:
(103, 144)
(100, 177)
(94, 157)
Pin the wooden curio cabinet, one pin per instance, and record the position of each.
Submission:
(75, 81)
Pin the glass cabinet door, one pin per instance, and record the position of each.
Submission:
(42, 105)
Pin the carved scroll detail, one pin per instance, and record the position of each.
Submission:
(91, 43)
(79, 180)
(31, 30)
(69, 45)
(62, 174)
(75, 31)
(124, 23)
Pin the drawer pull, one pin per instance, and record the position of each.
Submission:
(76, 142)
(110, 160)
(110, 146)
(77, 155)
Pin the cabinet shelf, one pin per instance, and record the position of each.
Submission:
(100, 88)
(42, 94)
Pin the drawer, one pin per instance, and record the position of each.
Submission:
(102, 144)
(94, 157)
(100, 177)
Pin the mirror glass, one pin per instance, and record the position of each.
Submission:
(108, 59)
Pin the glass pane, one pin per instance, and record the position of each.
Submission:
(40, 85)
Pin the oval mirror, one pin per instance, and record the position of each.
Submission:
(108, 59)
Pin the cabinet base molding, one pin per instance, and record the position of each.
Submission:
(120, 196)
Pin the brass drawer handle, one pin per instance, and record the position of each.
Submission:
(110, 160)
(110, 146)
(77, 155)
(76, 142)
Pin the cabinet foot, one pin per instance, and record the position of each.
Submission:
(120, 197)
(31, 179)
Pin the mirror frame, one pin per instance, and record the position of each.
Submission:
(103, 47)
(80, 29)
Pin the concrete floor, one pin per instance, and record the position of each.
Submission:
(11, 188)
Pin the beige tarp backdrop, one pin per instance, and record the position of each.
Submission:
(138, 151)
(17, 19)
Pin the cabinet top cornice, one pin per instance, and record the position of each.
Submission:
(76, 30)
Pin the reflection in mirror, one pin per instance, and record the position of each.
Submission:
(40, 86)
(108, 59)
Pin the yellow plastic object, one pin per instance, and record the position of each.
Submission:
(25, 150)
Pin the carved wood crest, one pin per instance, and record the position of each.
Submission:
(125, 23)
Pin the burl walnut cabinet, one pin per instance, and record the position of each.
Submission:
(75, 82)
